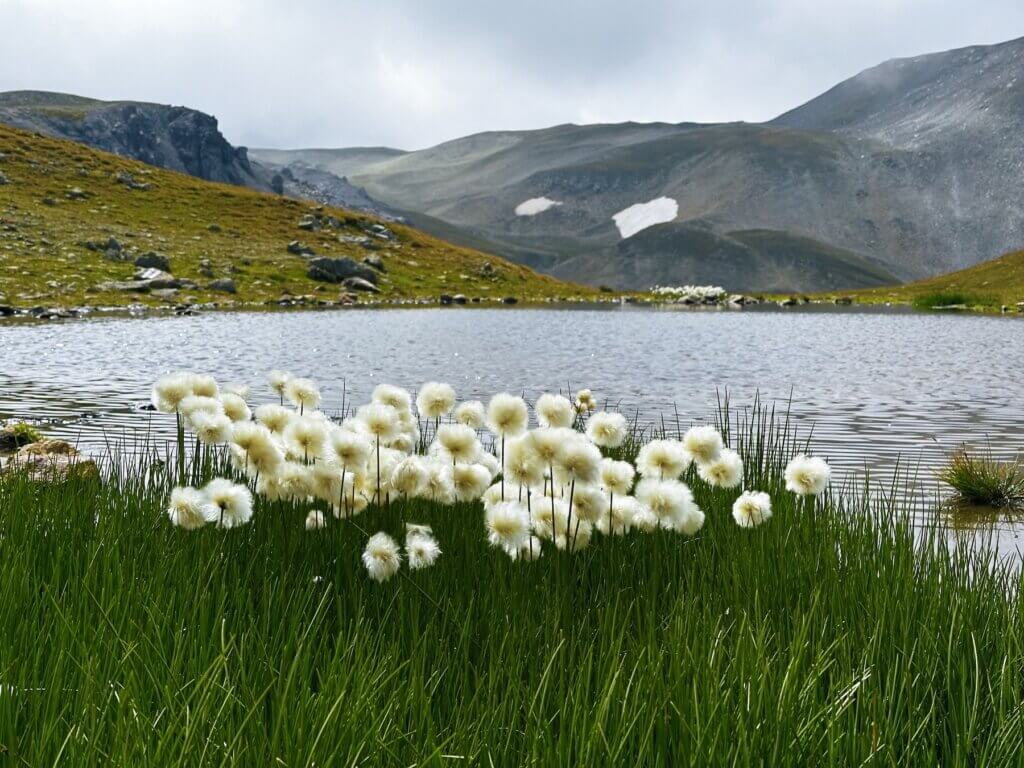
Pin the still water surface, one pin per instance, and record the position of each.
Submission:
(877, 387)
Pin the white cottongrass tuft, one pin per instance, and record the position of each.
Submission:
(724, 472)
(457, 443)
(578, 461)
(471, 414)
(435, 400)
(607, 430)
(616, 476)
(691, 522)
(306, 437)
(421, 548)
(553, 411)
(702, 444)
(203, 385)
(381, 420)
(235, 407)
(439, 486)
(751, 509)
(350, 450)
(274, 417)
(193, 404)
(669, 500)
(211, 429)
(396, 397)
(522, 466)
(315, 520)
(807, 475)
(662, 460)
(585, 401)
(304, 394)
(169, 391)
(508, 525)
(507, 415)
(190, 509)
(469, 481)
(278, 381)
(233, 502)
(382, 557)
(409, 477)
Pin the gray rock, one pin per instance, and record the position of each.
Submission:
(374, 261)
(510, 300)
(123, 177)
(309, 223)
(300, 249)
(4, 179)
(446, 299)
(215, 228)
(338, 270)
(151, 273)
(359, 284)
(223, 285)
(153, 260)
(166, 294)
(75, 193)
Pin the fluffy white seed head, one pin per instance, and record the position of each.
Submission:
(396, 397)
(382, 557)
(169, 391)
(691, 522)
(190, 509)
(315, 520)
(457, 443)
(193, 404)
(553, 411)
(507, 415)
(421, 548)
(278, 381)
(724, 472)
(662, 460)
(302, 393)
(211, 429)
(669, 500)
(470, 481)
(409, 477)
(578, 461)
(471, 414)
(702, 444)
(274, 417)
(233, 502)
(577, 538)
(508, 525)
(203, 385)
(616, 476)
(585, 401)
(522, 465)
(751, 509)
(439, 486)
(242, 390)
(623, 510)
(588, 503)
(381, 420)
(235, 407)
(607, 430)
(550, 517)
(306, 437)
(350, 450)
(807, 475)
(435, 400)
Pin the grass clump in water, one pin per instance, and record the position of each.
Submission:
(946, 299)
(984, 481)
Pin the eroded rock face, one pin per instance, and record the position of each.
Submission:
(50, 461)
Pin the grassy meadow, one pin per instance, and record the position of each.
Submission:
(828, 636)
(59, 195)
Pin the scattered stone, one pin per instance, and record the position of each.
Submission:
(6, 310)
(843, 301)
(4, 179)
(154, 260)
(48, 201)
(223, 285)
(459, 298)
(790, 302)
(166, 294)
(374, 261)
(76, 193)
(359, 284)
(309, 223)
(215, 228)
(300, 249)
(510, 300)
(51, 461)
(446, 299)
(337, 270)
(347, 298)
(123, 177)
(150, 273)
(487, 269)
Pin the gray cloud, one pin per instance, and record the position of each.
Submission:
(411, 73)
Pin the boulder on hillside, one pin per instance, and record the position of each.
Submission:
(153, 260)
(338, 270)
(359, 284)
(223, 285)
(299, 248)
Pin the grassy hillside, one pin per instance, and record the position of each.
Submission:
(986, 286)
(56, 196)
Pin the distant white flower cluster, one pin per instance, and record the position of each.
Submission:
(555, 485)
(698, 294)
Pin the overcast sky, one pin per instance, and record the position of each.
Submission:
(412, 73)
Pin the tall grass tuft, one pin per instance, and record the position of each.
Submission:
(981, 480)
(841, 638)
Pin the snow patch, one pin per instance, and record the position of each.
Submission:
(535, 205)
(642, 215)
